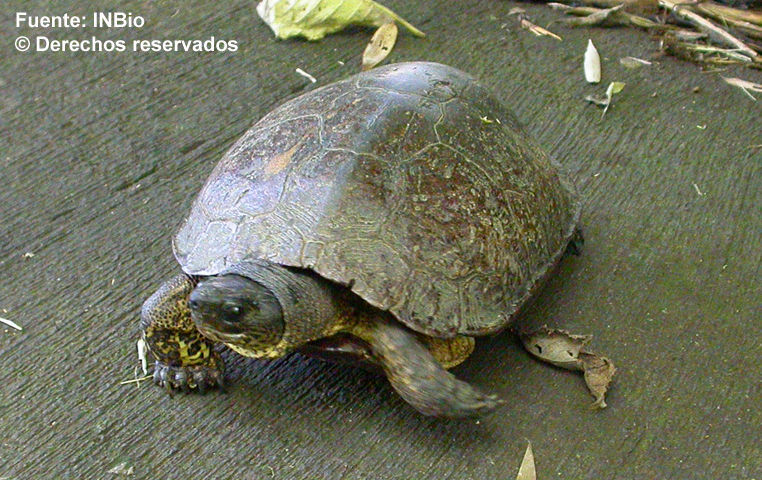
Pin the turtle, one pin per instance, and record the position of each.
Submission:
(386, 219)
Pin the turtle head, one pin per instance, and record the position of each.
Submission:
(243, 314)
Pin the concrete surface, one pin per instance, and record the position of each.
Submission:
(101, 155)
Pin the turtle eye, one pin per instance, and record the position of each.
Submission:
(232, 311)
(193, 304)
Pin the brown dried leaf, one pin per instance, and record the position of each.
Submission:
(598, 374)
(558, 347)
(527, 470)
(567, 350)
(380, 45)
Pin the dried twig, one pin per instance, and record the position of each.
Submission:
(725, 13)
(726, 16)
(526, 24)
(715, 33)
(617, 17)
(599, 17)
(744, 85)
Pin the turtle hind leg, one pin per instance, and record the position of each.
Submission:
(417, 376)
(185, 360)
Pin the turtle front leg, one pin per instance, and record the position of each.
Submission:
(417, 376)
(185, 359)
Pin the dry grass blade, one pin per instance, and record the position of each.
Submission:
(715, 33)
(536, 29)
(527, 469)
(380, 46)
(744, 85)
(725, 13)
(306, 75)
(136, 380)
(633, 62)
(719, 52)
(10, 323)
(640, 6)
(619, 17)
(735, 20)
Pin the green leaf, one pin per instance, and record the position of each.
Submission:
(314, 19)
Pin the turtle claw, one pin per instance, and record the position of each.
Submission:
(189, 378)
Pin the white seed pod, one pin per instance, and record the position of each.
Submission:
(592, 64)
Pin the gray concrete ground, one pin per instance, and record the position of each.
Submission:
(102, 154)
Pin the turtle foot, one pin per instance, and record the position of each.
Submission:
(189, 378)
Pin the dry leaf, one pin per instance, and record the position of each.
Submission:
(314, 19)
(527, 470)
(566, 350)
(380, 46)
(744, 85)
(613, 88)
(598, 374)
(592, 64)
(605, 100)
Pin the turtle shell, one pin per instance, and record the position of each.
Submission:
(409, 184)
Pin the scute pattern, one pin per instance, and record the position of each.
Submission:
(410, 184)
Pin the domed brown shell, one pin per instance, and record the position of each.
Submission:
(410, 184)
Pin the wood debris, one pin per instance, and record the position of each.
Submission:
(704, 32)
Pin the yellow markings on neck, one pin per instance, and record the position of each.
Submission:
(287, 344)
(274, 351)
(186, 358)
